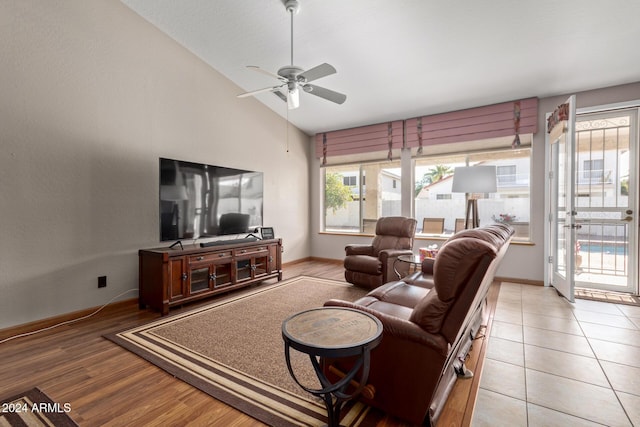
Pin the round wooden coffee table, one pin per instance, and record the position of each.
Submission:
(332, 332)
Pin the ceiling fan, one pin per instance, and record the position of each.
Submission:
(293, 78)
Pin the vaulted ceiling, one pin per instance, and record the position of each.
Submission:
(404, 58)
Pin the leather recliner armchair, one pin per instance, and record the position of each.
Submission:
(429, 321)
(370, 266)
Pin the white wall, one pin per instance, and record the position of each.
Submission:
(522, 261)
(91, 96)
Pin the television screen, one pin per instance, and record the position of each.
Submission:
(199, 200)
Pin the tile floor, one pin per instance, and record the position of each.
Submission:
(553, 363)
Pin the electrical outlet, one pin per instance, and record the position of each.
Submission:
(102, 281)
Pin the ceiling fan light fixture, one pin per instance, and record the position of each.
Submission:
(293, 98)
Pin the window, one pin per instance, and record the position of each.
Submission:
(510, 204)
(432, 196)
(506, 174)
(350, 181)
(357, 208)
(593, 169)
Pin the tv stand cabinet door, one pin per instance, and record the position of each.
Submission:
(178, 279)
(250, 262)
(221, 273)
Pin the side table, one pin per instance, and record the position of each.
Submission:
(333, 332)
(413, 260)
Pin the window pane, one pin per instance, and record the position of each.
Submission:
(353, 206)
(433, 199)
(511, 203)
(341, 198)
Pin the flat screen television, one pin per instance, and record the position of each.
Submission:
(200, 200)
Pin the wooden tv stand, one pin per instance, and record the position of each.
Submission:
(170, 277)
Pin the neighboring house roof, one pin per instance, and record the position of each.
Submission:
(424, 193)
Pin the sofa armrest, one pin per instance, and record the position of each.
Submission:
(356, 249)
(387, 254)
(399, 328)
(427, 266)
(388, 258)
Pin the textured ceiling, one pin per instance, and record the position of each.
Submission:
(404, 58)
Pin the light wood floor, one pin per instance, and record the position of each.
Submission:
(109, 386)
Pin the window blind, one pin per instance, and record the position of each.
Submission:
(493, 121)
(382, 137)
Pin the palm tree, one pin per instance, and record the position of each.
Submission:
(439, 172)
(434, 174)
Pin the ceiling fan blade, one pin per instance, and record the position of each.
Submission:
(257, 91)
(315, 73)
(265, 72)
(325, 93)
(280, 95)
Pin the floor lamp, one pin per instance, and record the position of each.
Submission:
(471, 180)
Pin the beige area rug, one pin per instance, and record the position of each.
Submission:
(34, 409)
(233, 350)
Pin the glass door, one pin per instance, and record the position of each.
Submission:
(561, 137)
(606, 200)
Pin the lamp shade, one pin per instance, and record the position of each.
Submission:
(474, 179)
(173, 193)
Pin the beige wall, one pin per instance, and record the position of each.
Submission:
(522, 261)
(91, 95)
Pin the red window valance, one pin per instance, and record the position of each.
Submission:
(365, 139)
(493, 121)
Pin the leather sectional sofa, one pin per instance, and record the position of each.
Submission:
(430, 319)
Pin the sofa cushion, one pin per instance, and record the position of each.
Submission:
(393, 310)
(429, 312)
(399, 293)
(496, 234)
(456, 261)
(393, 232)
(419, 279)
(363, 264)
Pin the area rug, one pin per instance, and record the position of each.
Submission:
(606, 296)
(233, 350)
(34, 408)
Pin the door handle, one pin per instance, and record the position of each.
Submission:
(628, 218)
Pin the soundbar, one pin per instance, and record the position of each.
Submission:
(228, 242)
